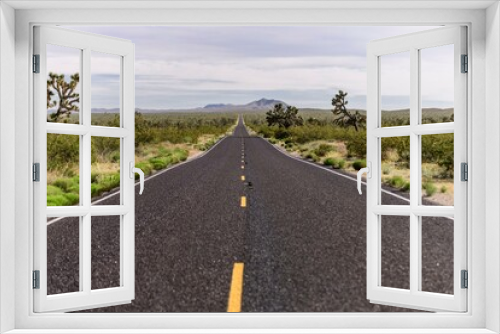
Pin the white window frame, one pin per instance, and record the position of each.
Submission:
(414, 297)
(86, 297)
(484, 45)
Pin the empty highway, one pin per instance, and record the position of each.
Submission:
(247, 217)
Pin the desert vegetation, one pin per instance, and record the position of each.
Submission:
(337, 138)
(161, 140)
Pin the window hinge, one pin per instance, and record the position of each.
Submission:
(464, 173)
(465, 64)
(36, 63)
(36, 279)
(36, 172)
(464, 279)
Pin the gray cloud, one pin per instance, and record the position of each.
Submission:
(183, 67)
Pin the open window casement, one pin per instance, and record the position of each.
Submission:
(416, 45)
(75, 288)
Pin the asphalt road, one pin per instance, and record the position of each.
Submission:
(301, 237)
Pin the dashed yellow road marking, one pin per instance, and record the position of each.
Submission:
(243, 202)
(242, 177)
(236, 290)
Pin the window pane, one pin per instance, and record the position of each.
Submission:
(106, 89)
(395, 249)
(105, 170)
(437, 84)
(437, 254)
(63, 255)
(63, 84)
(437, 169)
(395, 169)
(395, 89)
(63, 170)
(105, 252)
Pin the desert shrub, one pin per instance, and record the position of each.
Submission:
(322, 150)
(159, 163)
(358, 164)
(386, 169)
(281, 134)
(439, 149)
(312, 156)
(338, 163)
(430, 188)
(146, 167)
(396, 149)
(356, 145)
(63, 199)
(397, 181)
(62, 151)
(444, 189)
(328, 162)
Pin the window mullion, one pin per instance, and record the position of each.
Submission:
(85, 180)
(414, 171)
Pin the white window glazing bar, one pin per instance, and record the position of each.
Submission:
(415, 168)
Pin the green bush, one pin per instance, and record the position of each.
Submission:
(312, 156)
(67, 184)
(281, 134)
(159, 163)
(338, 163)
(145, 167)
(399, 182)
(430, 188)
(358, 164)
(322, 150)
(356, 145)
(328, 162)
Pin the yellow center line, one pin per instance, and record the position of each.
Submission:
(242, 177)
(243, 202)
(236, 290)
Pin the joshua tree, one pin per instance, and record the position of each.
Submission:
(67, 98)
(345, 117)
(284, 118)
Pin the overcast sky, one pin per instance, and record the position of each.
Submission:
(186, 67)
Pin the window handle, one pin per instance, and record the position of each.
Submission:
(139, 171)
(368, 172)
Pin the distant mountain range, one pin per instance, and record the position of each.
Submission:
(258, 105)
(254, 105)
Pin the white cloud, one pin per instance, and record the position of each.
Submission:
(193, 66)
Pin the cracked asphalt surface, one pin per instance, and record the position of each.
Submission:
(302, 238)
